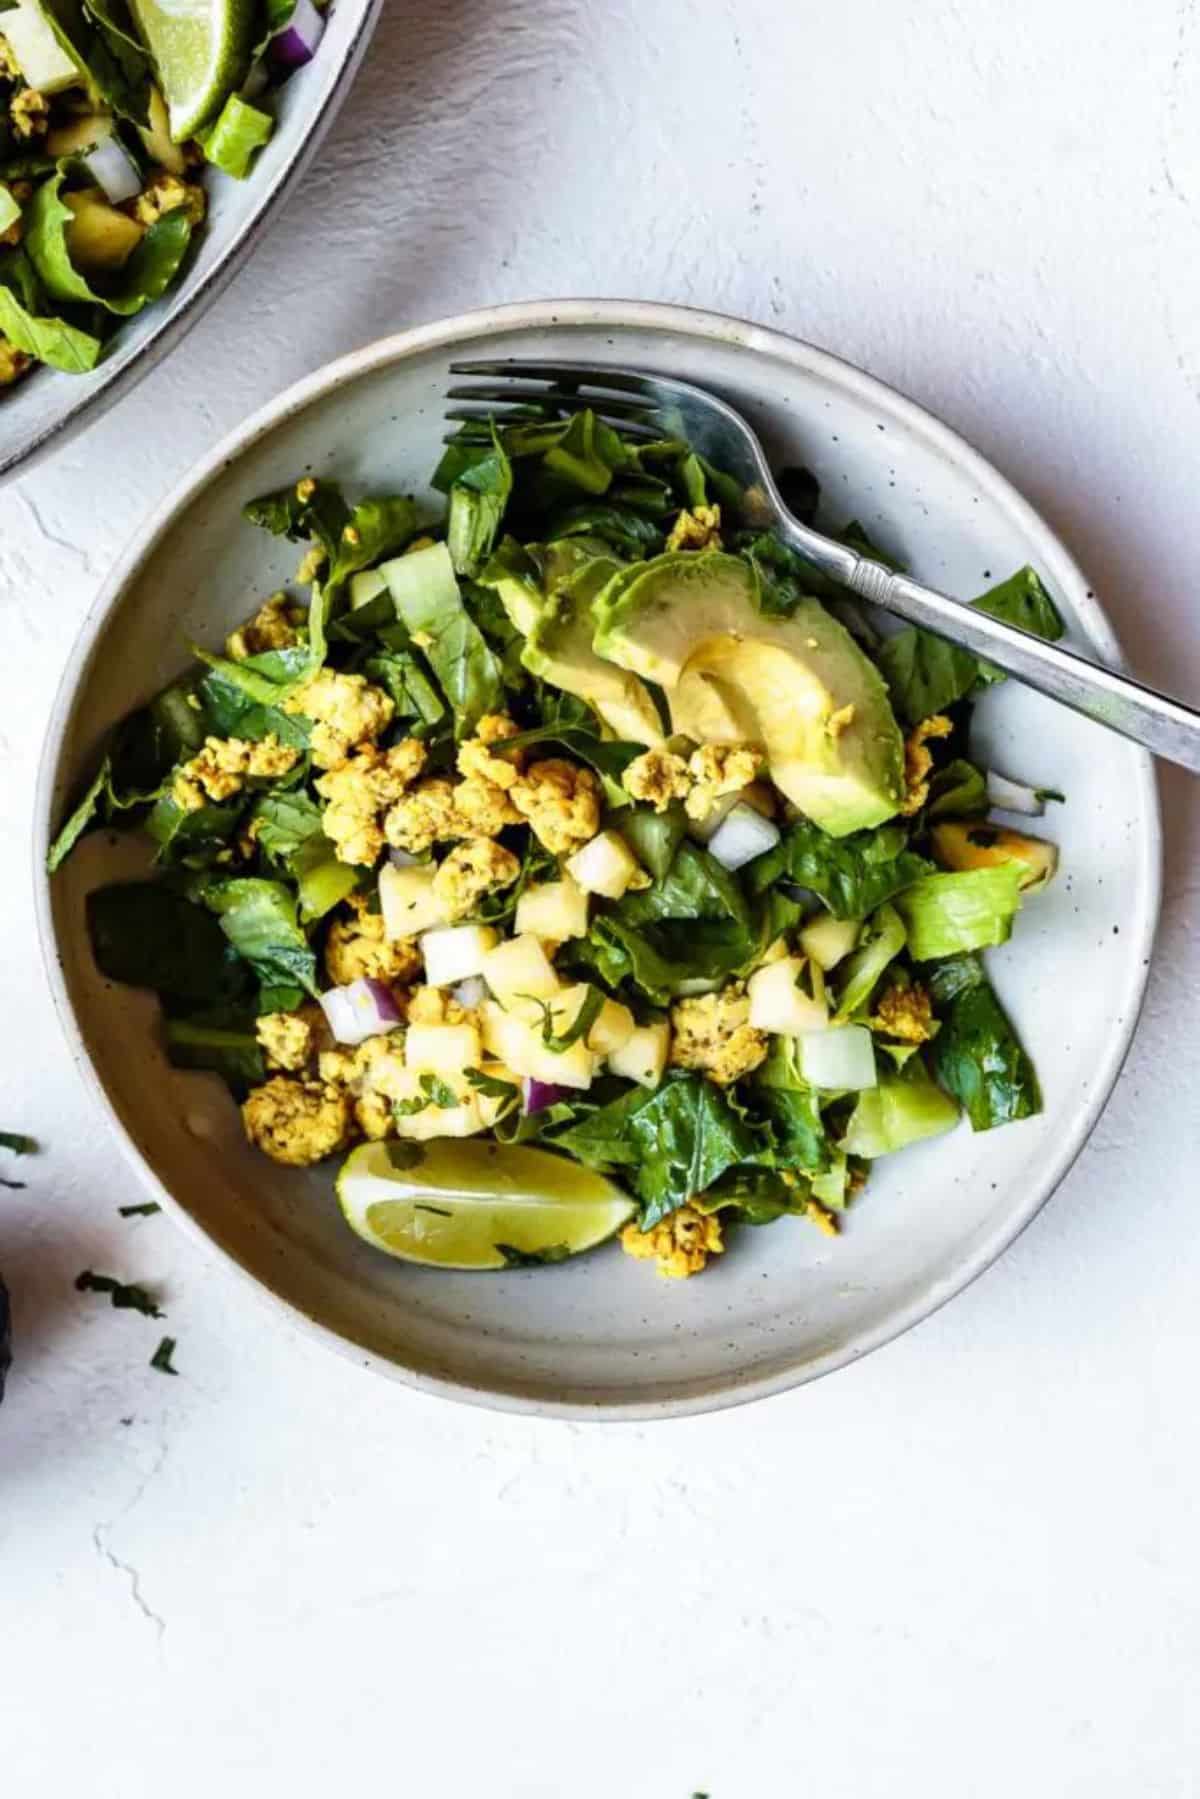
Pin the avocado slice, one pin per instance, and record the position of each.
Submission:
(558, 647)
(524, 575)
(800, 686)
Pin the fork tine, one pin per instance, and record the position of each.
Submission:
(479, 415)
(593, 374)
(512, 393)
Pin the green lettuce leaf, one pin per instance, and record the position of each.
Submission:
(947, 914)
(144, 277)
(854, 875)
(239, 131)
(959, 790)
(429, 605)
(858, 976)
(27, 323)
(976, 1055)
(904, 1108)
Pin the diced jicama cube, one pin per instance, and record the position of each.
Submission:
(39, 55)
(841, 1060)
(456, 952)
(605, 866)
(643, 1055)
(520, 966)
(612, 1030)
(518, 1043)
(553, 910)
(827, 939)
(788, 997)
(442, 1048)
(408, 901)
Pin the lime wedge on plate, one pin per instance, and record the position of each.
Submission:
(201, 48)
(476, 1204)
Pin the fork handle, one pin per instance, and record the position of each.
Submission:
(1161, 724)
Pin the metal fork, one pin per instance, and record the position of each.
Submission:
(647, 406)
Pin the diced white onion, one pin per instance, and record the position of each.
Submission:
(402, 859)
(1013, 796)
(362, 1009)
(742, 836)
(841, 1060)
(113, 169)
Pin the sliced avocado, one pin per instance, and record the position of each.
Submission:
(800, 686)
(523, 576)
(652, 615)
(99, 237)
(559, 649)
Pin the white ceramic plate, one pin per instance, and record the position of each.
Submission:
(602, 1337)
(46, 409)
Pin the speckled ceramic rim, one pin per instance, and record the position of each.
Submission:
(613, 315)
(193, 299)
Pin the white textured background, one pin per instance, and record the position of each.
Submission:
(966, 1568)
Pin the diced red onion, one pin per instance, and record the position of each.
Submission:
(536, 1096)
(362, 1009)
(112, 169)
(295, 45)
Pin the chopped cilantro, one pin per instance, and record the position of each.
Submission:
(161, 1359)
(143, 1211)
(126, 1296)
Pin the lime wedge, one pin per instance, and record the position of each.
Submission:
(476, 1204)
(201, 48)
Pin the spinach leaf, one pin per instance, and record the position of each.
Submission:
(853, 875)
(288, 830)
(477, 502)
(671, 1143)
(145, 276)
(399, 672)
(259, 919)
(694, 886)
(99, 39)
(620, 527)
(608, 759)
(145, 935)
(29, 325)
(125, 1295)
(219, 1047)
(375, 528)
(193, 838)
(233, 711)
(309, 511)
(976, 1055)
(925, 674)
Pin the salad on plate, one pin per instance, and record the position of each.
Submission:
(572, 861)
(112, 115)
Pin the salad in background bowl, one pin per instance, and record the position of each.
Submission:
(443, 629)
(139, 145)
